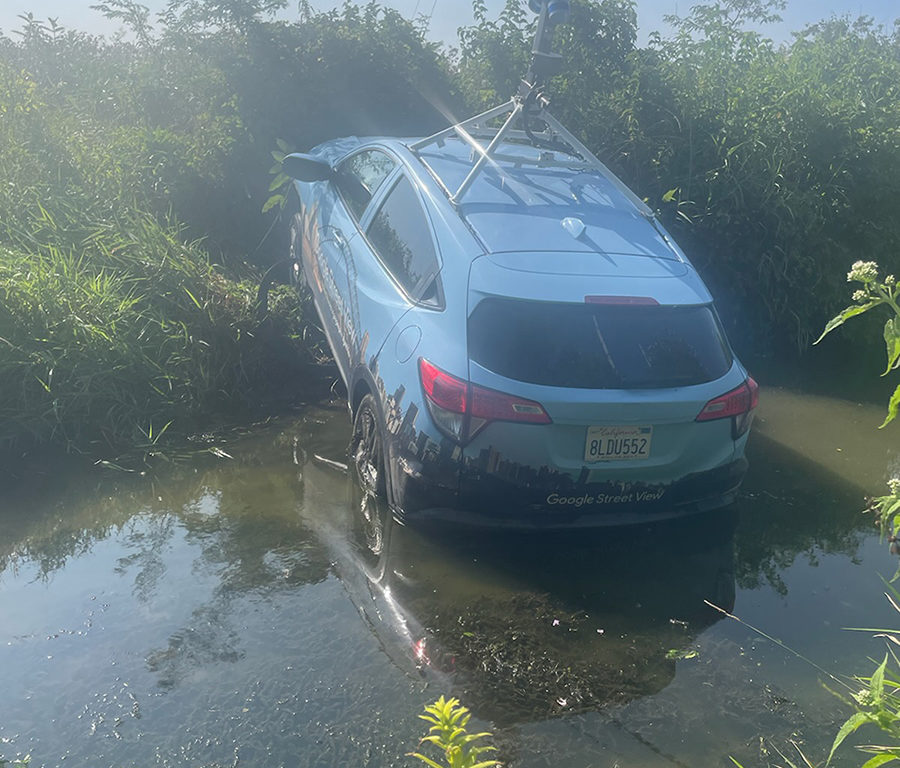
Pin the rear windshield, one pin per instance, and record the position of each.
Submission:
(597, 346)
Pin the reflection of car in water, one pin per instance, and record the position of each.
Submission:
(531, 349)
(523, 628)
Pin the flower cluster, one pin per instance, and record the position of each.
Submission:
(894, 485)
(863, 271)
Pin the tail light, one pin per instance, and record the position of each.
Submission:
(738, 405)
(461, 409)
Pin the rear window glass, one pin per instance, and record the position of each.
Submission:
(596, 346)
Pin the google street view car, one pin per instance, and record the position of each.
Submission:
(522, 342)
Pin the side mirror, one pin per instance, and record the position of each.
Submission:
(306, 168)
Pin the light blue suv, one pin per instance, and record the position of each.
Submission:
(522, 343)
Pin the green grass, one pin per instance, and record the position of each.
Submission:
(114, 332)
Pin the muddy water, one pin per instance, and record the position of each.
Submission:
(257, 611)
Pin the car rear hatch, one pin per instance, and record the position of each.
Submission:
(621, 352)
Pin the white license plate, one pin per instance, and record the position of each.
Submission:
(617, 443)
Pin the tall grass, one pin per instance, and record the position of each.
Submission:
(117, 329)
(110, 331)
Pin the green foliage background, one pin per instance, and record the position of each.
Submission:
(135, 173)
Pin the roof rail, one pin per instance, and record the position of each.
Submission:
(485, 139)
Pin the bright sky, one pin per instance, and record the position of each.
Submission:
(448, 15)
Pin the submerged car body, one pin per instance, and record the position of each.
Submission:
(535, 351)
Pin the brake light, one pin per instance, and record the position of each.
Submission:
(442, 389)
(738, 404)
(462, 409)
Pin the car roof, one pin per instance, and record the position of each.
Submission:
(530, 199)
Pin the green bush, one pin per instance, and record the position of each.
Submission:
(110, 331)
(774, 166)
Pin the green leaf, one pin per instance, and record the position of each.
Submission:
(280, 180)
(856, 309)
(426, 760)
(457, 714)
(877, 682)
(891, 510)
(893, 408)
(879, 760)
(674, 654)
(193, 298)
(272, 202)
(283, 146)
(670, 195)
(853, 722)
(892, 343)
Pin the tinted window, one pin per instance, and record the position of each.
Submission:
(597, 346)
(360, 176)
(401, 237)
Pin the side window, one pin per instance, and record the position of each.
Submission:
(359, 177)
(401, 237)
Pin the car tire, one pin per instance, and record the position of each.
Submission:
(367, 448)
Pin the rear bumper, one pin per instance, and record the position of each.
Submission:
(487, 501)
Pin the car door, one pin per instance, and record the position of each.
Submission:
(401, 266)
(357, 180)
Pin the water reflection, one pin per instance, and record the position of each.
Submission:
(205, 612)
(813, 459)
(523, 628)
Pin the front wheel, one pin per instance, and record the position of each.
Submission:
(367, 448)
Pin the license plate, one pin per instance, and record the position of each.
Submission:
(617, 443)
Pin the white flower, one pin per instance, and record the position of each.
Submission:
(863, 271)
(894, 485)
(890, 280)
(860, 296)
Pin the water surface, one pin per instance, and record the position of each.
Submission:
(258, 611)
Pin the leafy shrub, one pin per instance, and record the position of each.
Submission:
(112, 330)
(448, 733)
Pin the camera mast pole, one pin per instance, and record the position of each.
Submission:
(529, 108)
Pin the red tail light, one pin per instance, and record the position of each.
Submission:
(462, 409)
(737, 404)
(442, 389)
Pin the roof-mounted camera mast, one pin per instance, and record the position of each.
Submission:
(528, 108)
(544, 63)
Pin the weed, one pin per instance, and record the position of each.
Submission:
(875, 293)
(448, 734)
